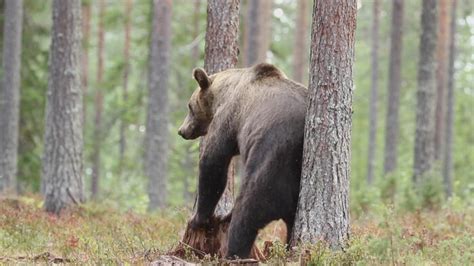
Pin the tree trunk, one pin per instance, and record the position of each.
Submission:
(99, 102)
(394, 84)
(10, 94)
(442, 51)
(323, 209)
(258, 31)
(373, 94)
(300, 51)
(156, 138)
(448, 147)
(86, 29)
(126, 70)
(62, 160)
(426, 94)
(222, 51)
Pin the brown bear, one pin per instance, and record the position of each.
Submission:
(258, 113)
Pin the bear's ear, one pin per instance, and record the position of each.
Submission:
(202, 79)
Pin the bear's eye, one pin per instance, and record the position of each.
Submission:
(190, 109)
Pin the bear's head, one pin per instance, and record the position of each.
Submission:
(199, 114)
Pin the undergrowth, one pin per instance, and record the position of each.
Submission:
(96, 234)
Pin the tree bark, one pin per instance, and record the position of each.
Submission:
(10, 94)
(300, 62)
(374, 93)
(156, 138)
(63, 142)
(426, 94)
(259, 13)
(126, 70)
(99, 105)
(323, 209)
(221, 52)
(448, 147)
(442, 54)
(394, 84)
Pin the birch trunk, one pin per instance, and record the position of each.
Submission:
(323, 207)
(10, 94)
(62, 160)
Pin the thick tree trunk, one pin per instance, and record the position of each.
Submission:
(394, 84)
(62, 160)
(373, 93)
(323, 207)
(126, 70)
(86, 29)
(448, 147)
(259, 13)
(156, 138)
(300, 52)
(99, 105)
(442, 54)
(10, 94)
(222, 52)
(426, 94)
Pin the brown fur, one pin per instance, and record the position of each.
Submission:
(258, 113)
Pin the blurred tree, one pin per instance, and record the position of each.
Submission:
(323, 208)
(195, 54)
(300, 62)
(258, 31)
(394, 84)
(99, 104)
(221, 53)
(449, 126)
(126, 70)
(442, 54)
(373, 94)
(62, 160)
(156, 140)
(426, 94)
(10, 94)
(86, 30)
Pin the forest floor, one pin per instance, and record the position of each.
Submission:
(95, 234)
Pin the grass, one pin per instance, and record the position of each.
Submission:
(96, 234)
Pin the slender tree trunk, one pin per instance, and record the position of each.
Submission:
(63, 143)
(300, 51)
(258, 31)
(394, 84)
(99, 105)
(448, 147)
(195, 55)
(222, 53)
(156, 139)
(195, 50)
(374, 93)
(10, 94)
(426, 94)
(323, 207)
(86, 29)
(126, 70)
(442, 57)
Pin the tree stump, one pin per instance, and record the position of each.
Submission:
(211, 241)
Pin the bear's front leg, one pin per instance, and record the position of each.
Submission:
(217, 153)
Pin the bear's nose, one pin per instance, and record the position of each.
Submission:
(180, 132)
